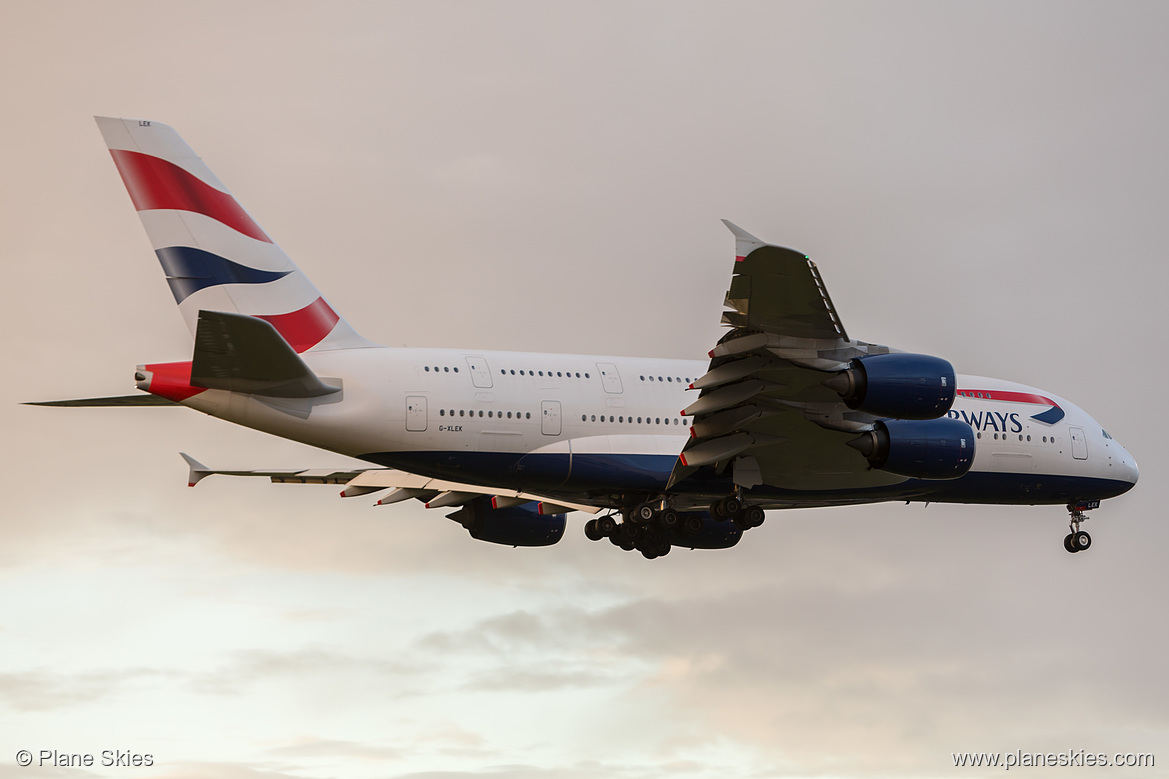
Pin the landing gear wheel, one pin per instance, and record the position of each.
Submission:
(668, 520)
(1068, 545)
(1081, 540)
(754, 516)
(606, 526)
(741, 522)
(731, 506)
(592, 532)
(628, 532)
(644, 514)
(691, 525)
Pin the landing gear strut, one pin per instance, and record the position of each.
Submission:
(1078, 540)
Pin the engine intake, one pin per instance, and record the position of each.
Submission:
(899, 386)
(923, 449)
(512, 526)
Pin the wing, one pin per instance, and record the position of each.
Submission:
(435, 493)
(763, 410)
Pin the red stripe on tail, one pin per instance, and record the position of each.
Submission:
(155, 184)
(307, 327)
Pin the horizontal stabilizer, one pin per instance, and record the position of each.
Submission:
(241, 353)
(121, 400)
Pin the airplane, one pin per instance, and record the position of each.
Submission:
(787, 412)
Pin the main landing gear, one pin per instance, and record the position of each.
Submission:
(652, 528)
(1079, 540)
(644, 528)
(732, 508)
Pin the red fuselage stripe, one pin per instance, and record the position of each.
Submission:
(1008, 396)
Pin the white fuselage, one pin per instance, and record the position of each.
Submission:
(490, 415)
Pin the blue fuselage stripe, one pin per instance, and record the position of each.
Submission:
(603, 474)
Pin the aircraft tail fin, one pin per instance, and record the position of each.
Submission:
(215, 256)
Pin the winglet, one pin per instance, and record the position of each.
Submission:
(745, 243)
(198, 470)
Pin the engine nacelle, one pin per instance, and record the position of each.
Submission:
(923, 449)
(899, 386)
(714, 534)
(512, 526)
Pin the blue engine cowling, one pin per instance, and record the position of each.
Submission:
(715, 533)
(513, 526)
(923, 449)
(899, 386)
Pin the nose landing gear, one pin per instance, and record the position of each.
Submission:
(1078, 540)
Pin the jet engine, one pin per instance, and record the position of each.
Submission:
(923, 449)
(512, 526)
(897, 385)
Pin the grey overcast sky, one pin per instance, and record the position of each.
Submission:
(982, 181)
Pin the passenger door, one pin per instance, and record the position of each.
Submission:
(550, 417)
(415, 413)
(610, 378)
(480, 372)
(1079, 443)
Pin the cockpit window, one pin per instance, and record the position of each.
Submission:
(1105, 432)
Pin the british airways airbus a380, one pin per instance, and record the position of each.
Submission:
(789, 411)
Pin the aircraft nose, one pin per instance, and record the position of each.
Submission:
(1134, 472)
(1128, 467)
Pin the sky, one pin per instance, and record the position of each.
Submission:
(983, 182)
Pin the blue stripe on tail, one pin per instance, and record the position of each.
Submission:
(189, 270)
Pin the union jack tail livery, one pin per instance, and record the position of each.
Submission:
(215, 256)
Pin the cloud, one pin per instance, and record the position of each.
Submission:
(40, 690)
(246, 669)
(333, 748)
